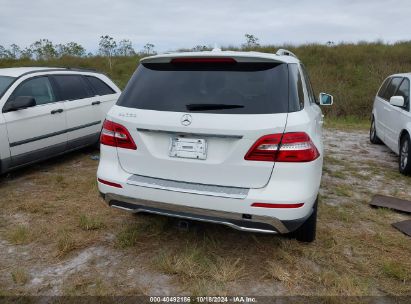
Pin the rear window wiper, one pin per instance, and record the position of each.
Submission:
(211, 106)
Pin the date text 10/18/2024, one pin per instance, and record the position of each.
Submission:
(204, 299)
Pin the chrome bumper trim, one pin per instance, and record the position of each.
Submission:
(185, 187)
(198, 214)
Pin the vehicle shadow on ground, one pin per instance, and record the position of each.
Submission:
(49, 164)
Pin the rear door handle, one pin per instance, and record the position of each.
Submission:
(94, 103)
(56, 111)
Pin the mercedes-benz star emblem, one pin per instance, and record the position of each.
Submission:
(186, 119)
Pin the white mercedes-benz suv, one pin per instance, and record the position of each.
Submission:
(391, 118)
(50, 111)
(220, 136)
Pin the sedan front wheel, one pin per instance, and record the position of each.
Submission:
(405, 161)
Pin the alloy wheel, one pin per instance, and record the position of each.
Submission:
(404, 154)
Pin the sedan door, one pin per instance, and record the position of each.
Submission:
(105, 95)
(398, 116)
(83, 125)
(378, 109)
(36, 132)
(385, 117)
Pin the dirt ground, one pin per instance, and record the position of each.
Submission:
(58, 238)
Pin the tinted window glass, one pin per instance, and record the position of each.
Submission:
(99, 86)
(310, 90)
(39, 88)
(5, 81)
(296, 101)
(72, 87)
(236, 88)
(383, 87)
(392, 87)
(404, 91)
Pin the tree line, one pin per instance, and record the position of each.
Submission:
(45, 49)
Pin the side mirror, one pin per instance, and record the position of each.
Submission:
(326, 99)
(397, 101)
(21, 102)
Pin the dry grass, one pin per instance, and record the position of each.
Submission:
(20, 276)
(19, 235)
(65, 243)
(128, 237)
(90, 223)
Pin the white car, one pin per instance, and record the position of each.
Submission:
(219, 136)
(391, 118)
(50, 111)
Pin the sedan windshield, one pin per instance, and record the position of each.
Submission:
(5, 81)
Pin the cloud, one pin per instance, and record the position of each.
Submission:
(186, 23)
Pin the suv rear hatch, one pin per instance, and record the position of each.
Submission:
(194, 120)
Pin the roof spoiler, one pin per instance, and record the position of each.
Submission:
(284, 52)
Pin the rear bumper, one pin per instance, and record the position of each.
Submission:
(242, 222)
(289, 184)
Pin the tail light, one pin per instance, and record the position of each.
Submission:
(264, 149)
(287, 147)
(116, 135)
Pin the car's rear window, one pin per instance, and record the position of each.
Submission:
(239, 88)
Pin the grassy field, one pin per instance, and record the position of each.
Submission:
(351, 72)
(60, 238)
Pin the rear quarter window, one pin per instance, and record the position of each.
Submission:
(99, 86)
(254, 88)
(296, 100)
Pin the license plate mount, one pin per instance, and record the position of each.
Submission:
(184, 147)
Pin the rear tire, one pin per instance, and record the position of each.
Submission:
(405, 159)
(374, 139)
(307, 231)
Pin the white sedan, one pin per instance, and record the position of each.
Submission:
(50, 111)
(391, 118)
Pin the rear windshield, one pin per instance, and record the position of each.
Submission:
(5, 81)
(236, 88)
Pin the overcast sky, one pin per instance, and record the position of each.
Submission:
(172, 24)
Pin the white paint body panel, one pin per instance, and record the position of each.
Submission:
(391, 121)
(268, 182)
(38, 121)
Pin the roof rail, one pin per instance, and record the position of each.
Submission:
(284, 52)
(60, 69)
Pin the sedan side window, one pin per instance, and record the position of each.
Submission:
(383, 88)
(404, 91)
(72, 87)
(39, 88)
(392, 88)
